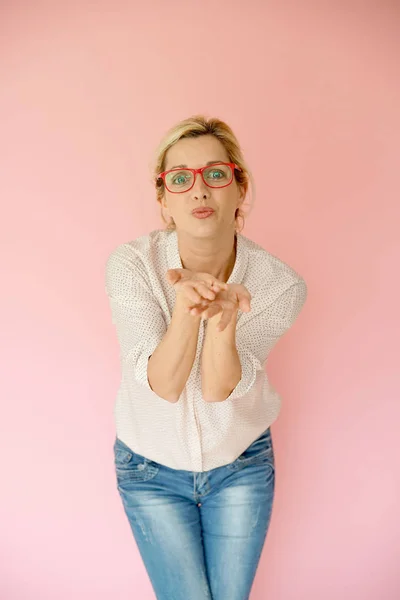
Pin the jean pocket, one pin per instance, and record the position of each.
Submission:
(130, 466)
(259, 452)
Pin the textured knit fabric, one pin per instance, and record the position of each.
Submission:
(192, 434)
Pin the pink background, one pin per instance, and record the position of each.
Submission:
(313, 94)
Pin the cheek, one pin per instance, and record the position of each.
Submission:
(227, 197)
(177, 203)
(170, 199)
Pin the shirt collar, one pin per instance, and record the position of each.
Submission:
(239, 269)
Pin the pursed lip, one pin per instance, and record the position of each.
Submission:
(203, 209)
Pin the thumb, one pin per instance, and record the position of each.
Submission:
(244, 303)
(173, 276)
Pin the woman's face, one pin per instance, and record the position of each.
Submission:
(195, 153)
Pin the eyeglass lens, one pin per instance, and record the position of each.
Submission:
(214, 176)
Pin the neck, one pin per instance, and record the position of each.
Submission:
(214, 256)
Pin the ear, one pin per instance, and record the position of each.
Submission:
(165, 209)
(240, 200)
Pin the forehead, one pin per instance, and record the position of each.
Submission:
(196, 152)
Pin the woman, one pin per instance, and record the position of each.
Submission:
(197, 309)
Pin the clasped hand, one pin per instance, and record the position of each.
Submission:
(208, 296)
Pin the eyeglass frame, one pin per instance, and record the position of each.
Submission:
(233, 166)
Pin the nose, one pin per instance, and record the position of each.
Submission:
(200, 189)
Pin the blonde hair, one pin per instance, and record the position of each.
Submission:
(197, 126)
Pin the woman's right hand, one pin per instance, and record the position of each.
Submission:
(195, 288)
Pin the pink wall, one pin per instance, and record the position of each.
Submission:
(313, 93)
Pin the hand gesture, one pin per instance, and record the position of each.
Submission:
(228, 301)
(194, 288)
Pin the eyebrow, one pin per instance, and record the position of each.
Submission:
(210, 162)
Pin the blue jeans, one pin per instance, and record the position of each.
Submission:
(200, 535)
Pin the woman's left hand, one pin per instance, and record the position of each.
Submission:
(228, 301)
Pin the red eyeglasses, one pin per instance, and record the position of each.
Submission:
(217, 175)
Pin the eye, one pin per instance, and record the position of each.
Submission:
(181, 178)
(216, 174)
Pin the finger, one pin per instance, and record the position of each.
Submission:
(205, 290)
(206, 308)
(212, 281)
(212, 308)
(225, 320)
(217, 284)
(176, 275)
(199, 308)
(226, 304)
(191, 292)
(173, 276)
(197, 292)
(211, 311)
(183, 272)
(244, 304)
